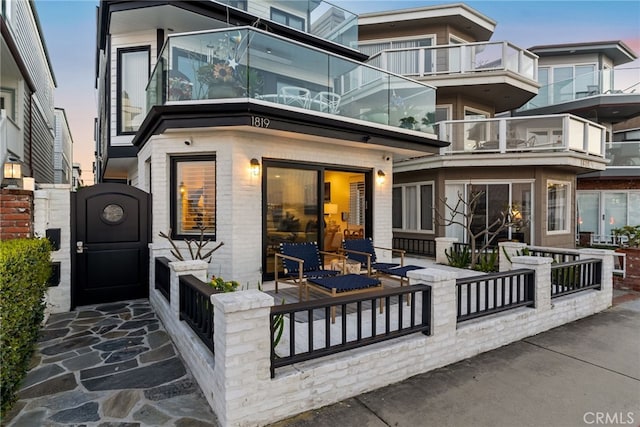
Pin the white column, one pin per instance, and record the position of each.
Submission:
(508, 250)
(242, 353)
(444, 244)
(606, 288)
(197, 268)
(443, 298)
(542, 268)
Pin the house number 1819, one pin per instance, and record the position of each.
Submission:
(260, 122)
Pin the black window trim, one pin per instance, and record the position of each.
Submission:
(120, 51)
(173, 189)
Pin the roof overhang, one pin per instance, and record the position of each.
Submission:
(267, 117)
(619, 52)
(457, 15)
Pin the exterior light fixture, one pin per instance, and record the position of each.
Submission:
(381, 177)
(12, 173)
(255, 167)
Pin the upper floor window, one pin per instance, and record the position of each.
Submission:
(558, 206)
(8, 102)
(413, 207)
(563, 83)
(133, 76)
(287, 19)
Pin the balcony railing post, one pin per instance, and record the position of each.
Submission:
(566, 125)
(502, 135)
(443, 298)
(542, 267)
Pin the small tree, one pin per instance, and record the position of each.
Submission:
(463, 213)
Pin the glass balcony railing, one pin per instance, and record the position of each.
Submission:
(515, 134)
(623, 154)
(457, 58)
(317, 17)
(603, 82)
(250, 63)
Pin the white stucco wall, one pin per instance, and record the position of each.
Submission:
(239, 194)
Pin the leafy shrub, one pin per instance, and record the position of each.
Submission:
(487, 262)
(219, 284)
(631, 232)
(459, 259)
(24, 270)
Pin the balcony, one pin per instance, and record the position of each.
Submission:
(316, 17)
(599, 88)
(499, 71)
(245, 63)
(523, 134)
(623, 154)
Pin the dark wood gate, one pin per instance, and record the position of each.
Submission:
(110, 232)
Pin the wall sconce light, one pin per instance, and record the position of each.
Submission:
(255, 167)
(12, 172)
(381, 177)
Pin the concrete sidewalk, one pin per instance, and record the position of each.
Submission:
(583, 373)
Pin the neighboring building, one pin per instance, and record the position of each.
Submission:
(594, 80)
(26, 92)
(62, 149)
(530, 163)
(76, 177)
(259, 124)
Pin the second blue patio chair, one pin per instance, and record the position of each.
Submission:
(301, 261)
(363, 251)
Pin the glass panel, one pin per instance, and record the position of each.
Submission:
(615, 211)
(196, 197)
(411, 208)
(426, 207)
(453, 192)
(521, 203)
(588, 212)
(292, 208)
(624, 154)
(563, 84)
(585, 80)
(557, 199)
(134, 76)
(396, 215)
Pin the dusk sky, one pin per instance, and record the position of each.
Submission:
(70, 34)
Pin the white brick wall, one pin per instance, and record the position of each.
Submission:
(239, 194)
(52, 209)
(242, 394)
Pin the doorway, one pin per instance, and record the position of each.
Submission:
(312, 203)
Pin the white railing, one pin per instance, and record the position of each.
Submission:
(514, 134)
(458, 59)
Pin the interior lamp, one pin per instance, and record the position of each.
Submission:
(381, 176)
(255, 167)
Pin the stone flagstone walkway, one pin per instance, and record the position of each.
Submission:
(109, 365)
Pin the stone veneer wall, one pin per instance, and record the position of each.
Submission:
(16, 214)
(236, 379)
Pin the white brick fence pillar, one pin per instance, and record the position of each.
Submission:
(443, 298)
(606, 289)
(242, 353)
(507, 251)
(180, 268)
(542, 267)
(444, 244)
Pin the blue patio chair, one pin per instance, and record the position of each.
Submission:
(363, 251)
(301, 261)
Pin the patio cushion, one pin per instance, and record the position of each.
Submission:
(348, 282)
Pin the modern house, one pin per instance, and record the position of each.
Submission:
(529, 163)
(62, 149)
(27, 83)
(76, 176)
(253, 122)
(595, 81)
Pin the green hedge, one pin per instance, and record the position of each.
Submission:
(24, 270)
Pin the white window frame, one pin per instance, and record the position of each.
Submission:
(567, 229)
(418, 212)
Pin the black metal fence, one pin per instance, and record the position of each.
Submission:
(559, 256)
(424, 247)
(492, 293)
(575, 276)
(196, 308)
(310, 333)
(163, 277)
